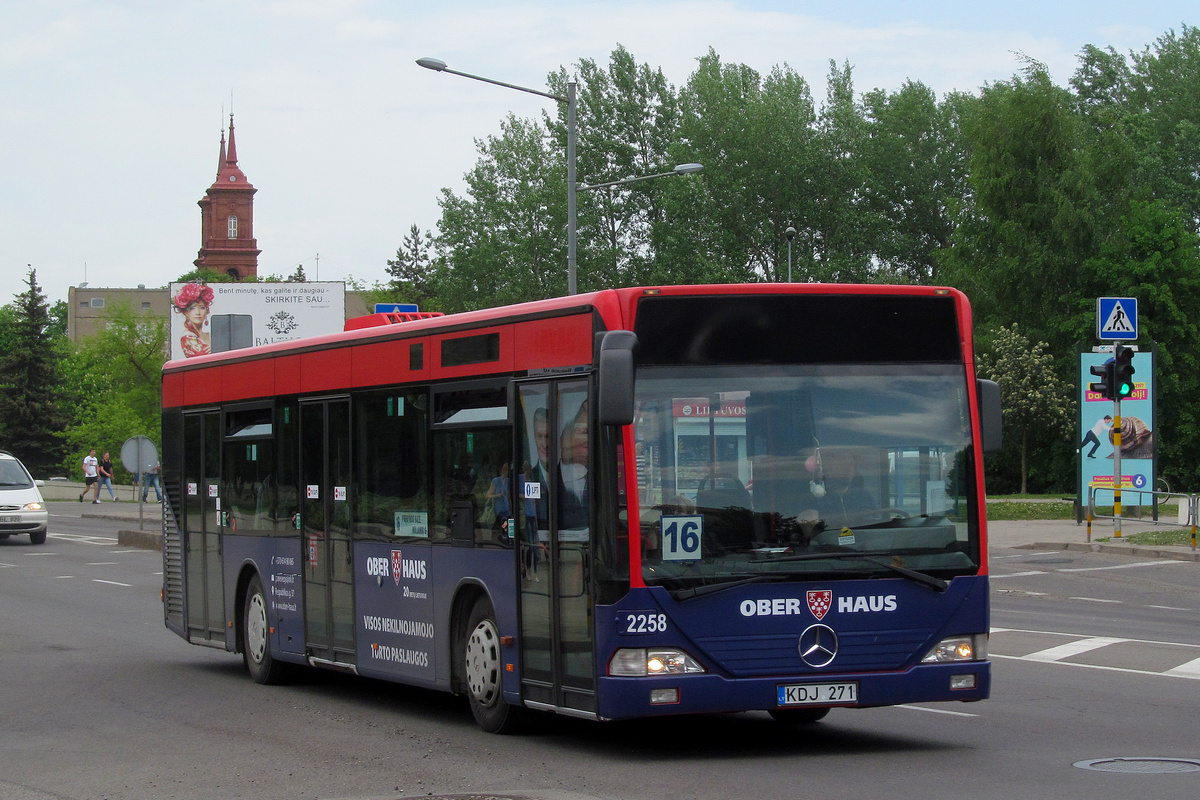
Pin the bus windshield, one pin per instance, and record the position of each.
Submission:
(806, 470)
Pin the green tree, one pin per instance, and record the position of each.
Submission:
(502, 243)
(628, 119)
(756, 138)
(917, 166)
(1036, 209)
(411, 271)
(1155, 257)
(1034, 400)
(31, 419)
(1164, 104)
(114, 381)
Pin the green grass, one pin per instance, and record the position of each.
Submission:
(1019, 507)
(1053, 506)
(1008, 510)
(1159, 537)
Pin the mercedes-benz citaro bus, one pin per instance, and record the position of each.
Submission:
(630, 503)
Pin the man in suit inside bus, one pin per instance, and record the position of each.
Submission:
(540, 472)
(573, 472)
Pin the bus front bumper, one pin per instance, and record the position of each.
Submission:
(622, 698)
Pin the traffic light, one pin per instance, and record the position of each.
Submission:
(1122, 380)
(1104, 387)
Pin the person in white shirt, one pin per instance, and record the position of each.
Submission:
(91, 476)
(1092, 437)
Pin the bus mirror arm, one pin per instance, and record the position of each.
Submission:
(616, 377)
(988, 394)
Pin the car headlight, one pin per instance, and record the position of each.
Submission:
(33, 507)
(958, 648)
(636, 662)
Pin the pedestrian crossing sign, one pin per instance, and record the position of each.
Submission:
(1116, 319)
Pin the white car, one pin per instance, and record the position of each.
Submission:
(22, 509)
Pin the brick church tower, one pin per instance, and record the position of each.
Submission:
(227, 241)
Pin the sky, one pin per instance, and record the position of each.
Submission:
(111, 112)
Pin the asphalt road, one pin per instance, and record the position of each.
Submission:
(1091, 663)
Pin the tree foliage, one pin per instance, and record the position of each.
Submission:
(1035, 401)
(1031, 197)
(31, 417)
(114, 384)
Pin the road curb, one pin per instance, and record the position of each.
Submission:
(1143, 551)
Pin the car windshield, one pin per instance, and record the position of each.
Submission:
(806, 470)
(13, 475)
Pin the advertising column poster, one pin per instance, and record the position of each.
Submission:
(1095, 442)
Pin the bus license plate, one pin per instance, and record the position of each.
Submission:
(803, 694)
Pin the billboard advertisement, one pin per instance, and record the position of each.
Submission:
(215, 317)
(1095, 431)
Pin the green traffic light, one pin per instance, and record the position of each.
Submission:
(1123, 371)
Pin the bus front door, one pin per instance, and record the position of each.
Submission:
(325, 526)
(554, 529)
(202, 532)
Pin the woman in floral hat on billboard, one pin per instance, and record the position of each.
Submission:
(194, 301)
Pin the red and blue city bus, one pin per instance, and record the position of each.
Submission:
(630, 503)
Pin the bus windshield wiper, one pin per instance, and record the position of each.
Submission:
(709, 588)
(937, 584)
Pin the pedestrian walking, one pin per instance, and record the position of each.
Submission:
(106, 475)
(151, 479)
(91, 476)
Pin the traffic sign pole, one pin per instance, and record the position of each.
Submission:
(1117, 468)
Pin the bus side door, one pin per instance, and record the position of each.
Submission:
(325, 526)
(553, 516)
(205, 602)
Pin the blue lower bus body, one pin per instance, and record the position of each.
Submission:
(746, 638)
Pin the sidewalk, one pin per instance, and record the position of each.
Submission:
(1062, 534)
(140, 531)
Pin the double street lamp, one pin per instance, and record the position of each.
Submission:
(437, 65)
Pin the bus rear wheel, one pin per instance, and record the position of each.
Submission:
(798, 716)
(483, 671)
(256, 644)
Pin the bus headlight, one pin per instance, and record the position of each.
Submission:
(958, 648)
(637, 662)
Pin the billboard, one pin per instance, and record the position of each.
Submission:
(1095, 431)
(215, 317)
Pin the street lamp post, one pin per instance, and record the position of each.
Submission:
(437, 65)
(573, 187)
(680, 169)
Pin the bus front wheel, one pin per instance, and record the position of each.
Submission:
(483, 670)
(256, 644)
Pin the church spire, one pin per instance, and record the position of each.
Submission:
(232, 157)
(221, 160)
(227, 217)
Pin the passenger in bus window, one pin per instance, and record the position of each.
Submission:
(541, 439)
(497, 494)
(573, 472)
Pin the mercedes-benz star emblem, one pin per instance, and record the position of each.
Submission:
(818, 645)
